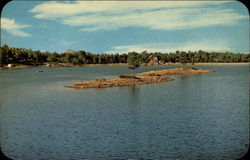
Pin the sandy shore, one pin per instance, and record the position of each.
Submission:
(20, 66)
(245, 63)
(138, 79)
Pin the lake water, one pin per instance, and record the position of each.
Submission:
(193, 117)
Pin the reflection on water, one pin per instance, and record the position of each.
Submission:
(135, 91)
(193, 117)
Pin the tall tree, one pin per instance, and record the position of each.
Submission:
(133, 61)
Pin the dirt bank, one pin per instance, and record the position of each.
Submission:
(175, 71)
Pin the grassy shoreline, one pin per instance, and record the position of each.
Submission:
(21, 66)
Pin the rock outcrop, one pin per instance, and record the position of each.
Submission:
(69, 51)
(153, 60)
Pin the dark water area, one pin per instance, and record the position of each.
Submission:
(202, 116)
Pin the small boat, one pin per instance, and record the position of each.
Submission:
(39, 71)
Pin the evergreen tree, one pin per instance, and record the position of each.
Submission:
(133, 60)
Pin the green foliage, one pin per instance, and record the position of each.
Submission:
(144, 56)
(134, 59)
(51, 58)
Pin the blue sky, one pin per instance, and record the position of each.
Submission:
(120, 27)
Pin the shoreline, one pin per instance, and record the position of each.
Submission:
(21, 66)
(148, 77)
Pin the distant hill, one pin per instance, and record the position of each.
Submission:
(69, 51)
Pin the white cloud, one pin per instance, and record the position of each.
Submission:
(205, 45)
(59, 9)
(163, 15)
(14, 28)
(171, 19)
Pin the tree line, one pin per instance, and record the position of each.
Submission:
(29, 57)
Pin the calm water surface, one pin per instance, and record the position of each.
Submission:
(194, 117)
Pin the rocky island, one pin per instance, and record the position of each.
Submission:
(137, 79)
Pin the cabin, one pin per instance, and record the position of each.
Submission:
(11, 65)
